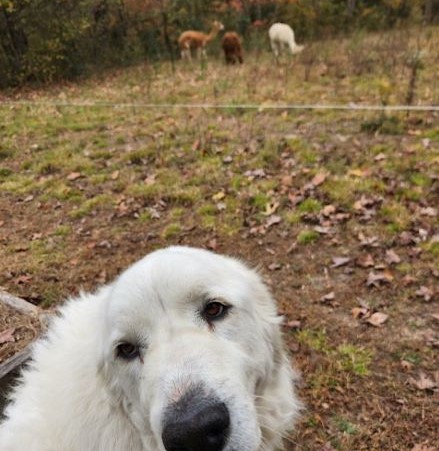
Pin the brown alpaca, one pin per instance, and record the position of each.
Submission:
(196, 40)
(232, 47)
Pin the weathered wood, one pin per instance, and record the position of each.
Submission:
(18, 304)
(10, 369)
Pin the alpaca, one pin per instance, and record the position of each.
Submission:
(197, 40)
(231, 44)
(282, 35)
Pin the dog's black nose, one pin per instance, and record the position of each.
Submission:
(198, 426)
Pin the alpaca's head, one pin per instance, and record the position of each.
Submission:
(298, 49)
(217, 25)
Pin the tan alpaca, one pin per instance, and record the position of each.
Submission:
(197, 40)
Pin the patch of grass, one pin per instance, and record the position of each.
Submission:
(145, 216)
(396, 215)
(5, 172)
(432, 247)
(339, 190)
(307, 237)
(389, 125)
(90, 204)
(420, 179)
(346, 426)
(6, 153)
(172, 230)
(147, 192)
(292, 217)
(63, 230)
(354, 359)
(139, 157)
(18, 184)
(315, 339)
(259, 200)
(310, 205)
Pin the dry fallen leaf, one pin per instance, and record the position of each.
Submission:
(74, 176)
(376, 279)
(293, 324)
(274, 266)
(272, 220)
(423, 447)
(340, 261)
(377, 319)
(423, 382)
(359, 312)
(220, 195)
(365, 261)
(429, 211)
(392, 257)
(328, 210)
(425, 292)
(319, 178)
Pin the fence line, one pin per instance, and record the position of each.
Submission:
(222, 106)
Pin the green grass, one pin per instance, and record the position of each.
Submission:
(307, 237)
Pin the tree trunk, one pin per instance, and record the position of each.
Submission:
(352, 4)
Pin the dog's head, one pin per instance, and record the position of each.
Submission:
(192, 353)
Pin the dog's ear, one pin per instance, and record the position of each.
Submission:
(276, 403)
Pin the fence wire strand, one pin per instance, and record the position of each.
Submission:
(222, 106)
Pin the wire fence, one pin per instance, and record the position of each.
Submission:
(222, 106)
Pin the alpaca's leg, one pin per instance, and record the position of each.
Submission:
(275, 48)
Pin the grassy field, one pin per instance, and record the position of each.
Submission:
(339, 209)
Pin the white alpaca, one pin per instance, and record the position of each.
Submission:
(282, 35)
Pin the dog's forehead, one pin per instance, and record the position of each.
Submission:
(174, 276)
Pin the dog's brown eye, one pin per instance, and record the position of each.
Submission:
(214, 310)
(128, 351)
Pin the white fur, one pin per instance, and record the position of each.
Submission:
(282, 35)
(77, 395)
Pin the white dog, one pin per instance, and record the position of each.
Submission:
(182, 352)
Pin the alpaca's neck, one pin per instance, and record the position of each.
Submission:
(212, 35)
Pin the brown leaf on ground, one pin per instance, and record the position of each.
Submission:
(328, 298)
(319, 178)
(377, 319)
(377, 279)
(424, 382)
(274, 266)
(392, 258)
(409, 280)
(368, 241)
(425, 292)
(270, 208)
(365, 261)
(293, 324)
(340, 261)
(360, 312)
(429, 211)
(328, 210)
(272, 220)
(423, 447)
(381, 156)
(74, 176)
(7, 336)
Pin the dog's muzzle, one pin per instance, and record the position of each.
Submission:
(196, 423)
